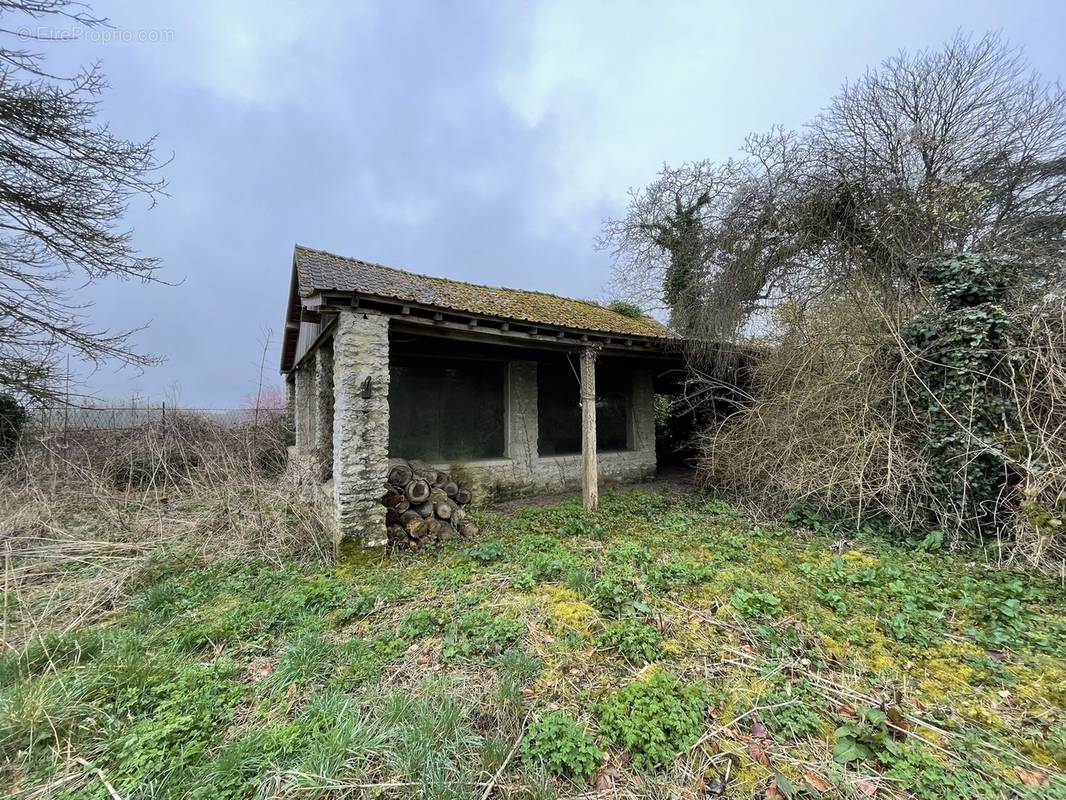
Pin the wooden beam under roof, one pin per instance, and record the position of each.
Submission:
(452, 322)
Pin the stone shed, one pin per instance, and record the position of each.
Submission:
(519, 392)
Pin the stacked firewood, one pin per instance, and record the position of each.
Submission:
(424, 506)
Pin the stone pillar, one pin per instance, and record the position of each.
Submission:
(304, 381)
(311, 411)
(360, 424)
(522, 430)
(290, 409)
(324, 407)
(643, 405)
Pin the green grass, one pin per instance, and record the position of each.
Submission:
(661, 645)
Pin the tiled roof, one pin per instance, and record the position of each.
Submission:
(319, 271)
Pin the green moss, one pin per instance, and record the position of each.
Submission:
(566, 612)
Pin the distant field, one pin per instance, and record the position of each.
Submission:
(662, 647)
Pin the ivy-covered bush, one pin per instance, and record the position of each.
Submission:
(12, 420)
(959, 388)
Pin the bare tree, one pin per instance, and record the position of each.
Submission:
(933, 153)
(65, 184)
(838, 229)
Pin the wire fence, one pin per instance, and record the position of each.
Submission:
(70, 419)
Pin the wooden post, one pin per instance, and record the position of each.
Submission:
(590, 479)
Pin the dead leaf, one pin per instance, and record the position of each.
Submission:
(866, 788)
(758, 730)
(816, 782)
(604, 782)
(1031, 777)
(773, 793)
(757, 754)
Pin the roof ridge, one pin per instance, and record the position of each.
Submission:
(592, 303)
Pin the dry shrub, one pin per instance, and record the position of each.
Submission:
(1039, 448)
(821, 425)
(830, 425)
(83, 515)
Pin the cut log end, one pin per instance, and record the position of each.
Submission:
(417, 491)
(424, 507)
(400, 475)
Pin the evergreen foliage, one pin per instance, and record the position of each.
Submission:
(960, 384)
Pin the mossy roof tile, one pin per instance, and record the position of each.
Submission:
(319, 271)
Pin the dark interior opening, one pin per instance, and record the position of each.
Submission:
(446, 409)
(559, 409)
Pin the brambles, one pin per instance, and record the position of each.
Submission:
(563, 746)
(654, 718)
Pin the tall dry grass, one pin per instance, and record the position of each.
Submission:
(84, 516)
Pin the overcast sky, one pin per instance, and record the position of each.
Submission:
(483, 141)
